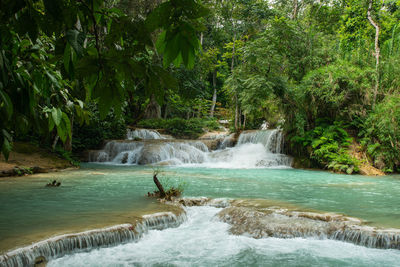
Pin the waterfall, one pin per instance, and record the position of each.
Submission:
(59, 246)
(137, 152)
(254, 149)
(271, 139)
(143, 134)
(228, 141)
(114, 150)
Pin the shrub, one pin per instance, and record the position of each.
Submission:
(327, 145)
(93, 135)
(381, 134)
(152, 123)
(339, 91)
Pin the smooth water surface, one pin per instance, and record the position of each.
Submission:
(86, 199)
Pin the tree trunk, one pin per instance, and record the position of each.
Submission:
(55, 142)
(214, 98)
(166, 111)
(236, 96)
(295, 9)
(377, 51)
(164, 108)
(244, 121)
(68, 142)
(236, 112)
(240, 118)
(153, 109)
(159, 186)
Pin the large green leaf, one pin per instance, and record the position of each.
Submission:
(159, 17)
(56, 114)
(6, 143)
(64, 128)
(6, 103)
(76, 40)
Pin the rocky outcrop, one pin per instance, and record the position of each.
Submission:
(282, 223)
(262, 218)
(365, 166)
(19, 171)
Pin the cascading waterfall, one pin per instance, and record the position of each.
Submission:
(117, 152)
(72, 243)
(143, 134)
(261, 148)
(204, 241)
(151, 152)
(228, 141)
(271, 139)
(254, 149)
(244, 221)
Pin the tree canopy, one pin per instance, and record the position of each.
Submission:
(313, 68)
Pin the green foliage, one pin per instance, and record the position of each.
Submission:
(57, 54)
(340, 92)
(57, 57)
(381, 134)
(181, 128)
(68, 156)
(178, 41)
(328, 145)
(93, 135)
(173, 186)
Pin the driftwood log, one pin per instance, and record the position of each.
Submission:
(159, 186)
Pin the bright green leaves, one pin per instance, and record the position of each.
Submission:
(381, 134)
(82, 115)
(59, 120)
(56, 115)
(55, 52)
(328, 145)
(64, 128)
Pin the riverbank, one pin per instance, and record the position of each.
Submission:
(28, 159)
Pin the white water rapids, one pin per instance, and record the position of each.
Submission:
(203, 240)
(253, 149)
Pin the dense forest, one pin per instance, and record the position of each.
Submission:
(74, 73)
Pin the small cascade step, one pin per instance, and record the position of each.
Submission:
(59, 246)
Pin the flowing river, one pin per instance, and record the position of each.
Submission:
(265, 212)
